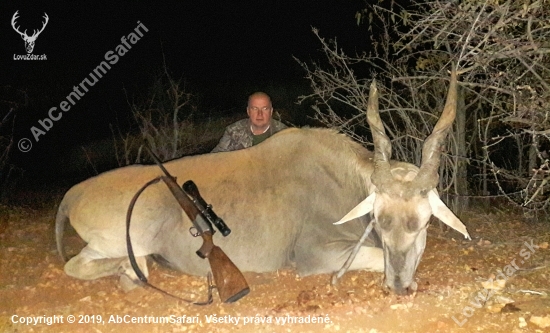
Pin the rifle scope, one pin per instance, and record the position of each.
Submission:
(206, 209)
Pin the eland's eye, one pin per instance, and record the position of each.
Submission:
(412, 225)
(385, 223)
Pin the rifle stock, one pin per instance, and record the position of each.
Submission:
(229, 280)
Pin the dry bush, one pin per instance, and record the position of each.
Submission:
(11, 99)
(165, 121)
(501, 49)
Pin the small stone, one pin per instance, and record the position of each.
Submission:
(494, 284)
(494, 308)
(542, 322)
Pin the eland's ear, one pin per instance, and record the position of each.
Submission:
(442, 212)
(363, 208)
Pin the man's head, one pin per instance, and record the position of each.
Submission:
(259, 111)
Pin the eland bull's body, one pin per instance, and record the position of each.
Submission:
(280, 199)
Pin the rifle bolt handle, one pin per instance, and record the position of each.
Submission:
(194, 232)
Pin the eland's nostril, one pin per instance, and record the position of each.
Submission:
(400, 288)
(402, 291)
(397, 284)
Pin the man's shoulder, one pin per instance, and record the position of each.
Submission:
(239, 125)
(278, 125)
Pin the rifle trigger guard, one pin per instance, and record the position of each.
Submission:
(194, 232)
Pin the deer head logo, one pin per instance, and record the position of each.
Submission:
(29, 40)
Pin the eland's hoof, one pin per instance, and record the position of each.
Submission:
(127, 284)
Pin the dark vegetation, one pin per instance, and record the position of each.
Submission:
(498, 151)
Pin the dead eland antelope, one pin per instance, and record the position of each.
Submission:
(280, 198)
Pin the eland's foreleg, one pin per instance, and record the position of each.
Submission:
(90, 265)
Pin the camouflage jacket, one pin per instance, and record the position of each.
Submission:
(239, 136)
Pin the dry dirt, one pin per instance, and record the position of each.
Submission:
(451, 276)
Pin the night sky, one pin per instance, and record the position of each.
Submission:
(223, 50)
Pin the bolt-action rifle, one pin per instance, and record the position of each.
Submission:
(229, 280)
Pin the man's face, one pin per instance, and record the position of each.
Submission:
(259, 111)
